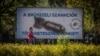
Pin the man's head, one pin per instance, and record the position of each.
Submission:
(31, 28)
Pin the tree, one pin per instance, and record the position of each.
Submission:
(8, 11)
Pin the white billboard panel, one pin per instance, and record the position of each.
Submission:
(49, 22)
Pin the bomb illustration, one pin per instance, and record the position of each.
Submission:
(41, 22)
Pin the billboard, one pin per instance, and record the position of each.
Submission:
(48, 23)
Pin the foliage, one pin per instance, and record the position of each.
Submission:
(8, 12)
(72, 49)
(64, 40)
(87, 10)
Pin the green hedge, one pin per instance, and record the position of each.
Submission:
(72, 49)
